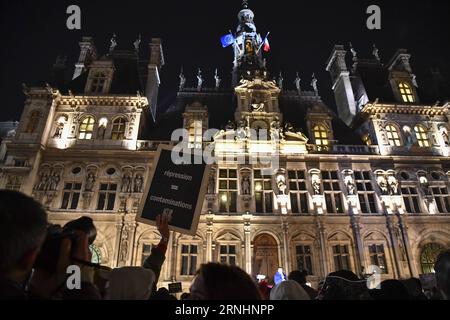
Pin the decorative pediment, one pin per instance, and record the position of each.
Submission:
(228, 237)
(257, 84)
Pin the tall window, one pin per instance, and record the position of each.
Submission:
(304, 258)
(146, 251)
(442, 199)
(411, 199)
(196, 134)
(107, 196)
(378, 257)
(341, 257)
(321, 135)
(263, 192)
(228, 190)
(98, 82)
(298, 192)
(393, 136)
(189, 255)
(118, 129)
(428, 257)
(332, 192)
(71, 196)
(406, 92)
(366, 194)
(421, 136)
(33, 122)
(13, 183)
(86, 128)
(227, 254)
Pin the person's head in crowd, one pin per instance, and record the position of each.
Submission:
(264, 289)
(222, 282)
(63, 246)
(23, 224)
(298, 276)
(414, 288)
(280, 270)
(442, 269)
(342, 285)
(162, 294)
(288, 290)
(184, 296)
(130, 283)
(390, 290)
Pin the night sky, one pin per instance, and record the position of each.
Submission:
(303, 34)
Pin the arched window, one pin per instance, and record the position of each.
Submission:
(118, 129)
(393, 135)
(321, 135)
(98, 82)
(429, 255)
(86, 128)
(96, 254)
(406, 92)
(421, 136)
(33, 122)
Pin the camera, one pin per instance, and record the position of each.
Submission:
(49, 255)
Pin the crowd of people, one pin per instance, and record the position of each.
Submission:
(35, 257)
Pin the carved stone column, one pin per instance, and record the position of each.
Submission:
(209, 231)
(323, 245)
(403, 227)
(247, 244)
(394, 245)
(360, 265)
(287, 264)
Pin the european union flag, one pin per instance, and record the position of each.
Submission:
(227, 40)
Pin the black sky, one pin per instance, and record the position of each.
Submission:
(303, 33)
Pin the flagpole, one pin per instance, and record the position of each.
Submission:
(260, 46)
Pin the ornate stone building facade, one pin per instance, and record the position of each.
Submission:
(368, 186)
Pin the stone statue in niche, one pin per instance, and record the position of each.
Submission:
(138, 183)
(126, 184)
(43, 182)
(315, 184)
(101, 132)
(124, 246)
(245, 184)
(58, 131)
(54, 182)
(211, 184)
(384, 187)
(351, 188)
(90, 181)
(281, 184)
(393, 186)
(424, 185)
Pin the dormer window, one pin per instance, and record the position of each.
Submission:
(118, 129)
(406, 92)
(196, 134)
(393, 136)
(98, 82)
(421, 136)
(321, 135)
(86, 129)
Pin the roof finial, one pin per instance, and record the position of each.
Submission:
(314, 84)
(375, 52)
(113, 44)
(182, 80)
(354, 53)
(245, 4)
(217, 78)
(137, 43)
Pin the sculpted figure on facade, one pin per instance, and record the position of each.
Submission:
(212, 183)
(126, 183)
(315, 182)
(138, 183)
(245, 184)
(383, 184)
(90, 181)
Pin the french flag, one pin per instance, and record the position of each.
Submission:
(266, 46)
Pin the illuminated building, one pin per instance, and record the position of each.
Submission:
(366, 186)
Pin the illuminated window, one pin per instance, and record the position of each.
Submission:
(228, 254)
(263, 192)
(118, 129)
(378, 257)
(393, 136)
(189, 260)
(33, 122)
(298, 192)
(228, 190)
(98, 82)
(366, 193)
(303, 256)
(86, 128)
(332, 192)
(196, 134)
(406, 92)
(421, 136)
(428, 257)
(442, 198)
(321, 135)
